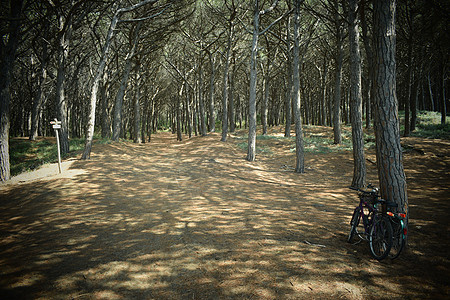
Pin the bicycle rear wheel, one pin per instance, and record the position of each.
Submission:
(380, 238)
(398, 238)
(354, 224)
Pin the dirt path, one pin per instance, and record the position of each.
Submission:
(194, 220)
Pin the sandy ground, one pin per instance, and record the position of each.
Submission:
(195, 220)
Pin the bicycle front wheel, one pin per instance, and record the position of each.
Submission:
(354, 224)
(380, 238)
(398, 238)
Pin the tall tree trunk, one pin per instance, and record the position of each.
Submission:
(8, 53)
(93, 100)
(265, 104)
(231, 106)
(123, 86)
(39, 97)
(299, 146)
(389, 152)
(137, 110)
(225, 84)
(101, 67)
(288, 96)
(359, 165)
(212, 115)
(251, 151)
(339, 58)
(409, 87)
(106, 128)
(442, 89)
(370, 68)
(61, 101)
(202, 121)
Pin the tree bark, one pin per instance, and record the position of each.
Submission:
(137, 111)
(359, 165)
(389, 152)
(339, 58)
(8, 53)
(251, 150)
(225, 84)
(101, 67)
(299, 146)
(61, 101)
(123, 86)
(212, 115)
(288, 96)
(202, 121)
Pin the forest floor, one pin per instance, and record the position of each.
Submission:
(195, 220)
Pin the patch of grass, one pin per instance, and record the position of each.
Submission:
(428, 125)
(259, 149)
(26, 155)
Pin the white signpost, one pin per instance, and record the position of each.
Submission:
(57, 125)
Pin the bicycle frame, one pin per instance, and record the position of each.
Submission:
(366, 218)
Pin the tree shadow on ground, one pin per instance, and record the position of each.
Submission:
(194, 220)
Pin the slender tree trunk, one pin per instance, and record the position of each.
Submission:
(442, 88)
(225, 85)
(106, 130)
(61, 100)
(414, 100)
(8, 53)
(359, 165)
(231, 105)
(137, 111)
(251, 151)
(299, 146)
(39, 98)
(430, 91)
(409, 87)
(212, 115)
(98, 76)
(389, 152)
(94, 90)
(370, 68)
(202, 121)
(339, 57)
(123, 86)
(288, 97)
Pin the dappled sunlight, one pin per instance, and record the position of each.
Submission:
(195, 220)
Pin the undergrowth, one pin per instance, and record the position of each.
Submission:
(26, 155)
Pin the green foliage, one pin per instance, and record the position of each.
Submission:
(26, 155)
(429, 125)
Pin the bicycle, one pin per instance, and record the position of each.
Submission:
(399, 233)
(376, 226)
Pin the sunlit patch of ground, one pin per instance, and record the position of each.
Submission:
(195, 220)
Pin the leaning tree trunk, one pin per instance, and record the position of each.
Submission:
(94, 90)
(39, 97)
(389, 152)
(359, 165)
(98, 75)
(123, 85)
(8, 53)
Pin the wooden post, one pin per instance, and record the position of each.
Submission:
(57, 125)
